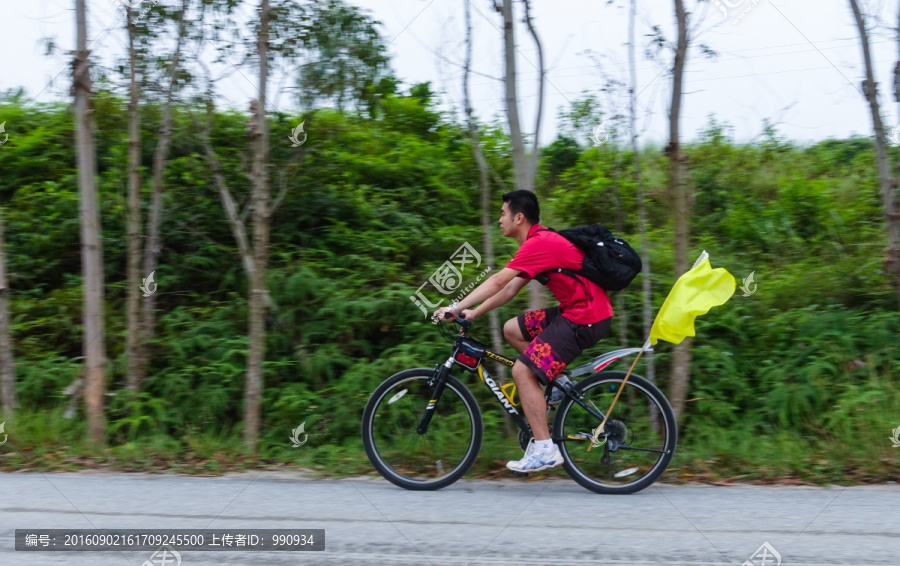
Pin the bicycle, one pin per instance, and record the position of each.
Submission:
(422, 428)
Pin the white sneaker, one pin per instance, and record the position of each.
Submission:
(529, 450)
(536, 460)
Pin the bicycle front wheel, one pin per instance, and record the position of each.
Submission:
(638, 441)
(425, 460)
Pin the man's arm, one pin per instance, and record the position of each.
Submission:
(499, 299)
(493, 285)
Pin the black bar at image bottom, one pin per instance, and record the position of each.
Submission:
(99, 540)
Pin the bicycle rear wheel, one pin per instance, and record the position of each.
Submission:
(638, 442)
(435, 459)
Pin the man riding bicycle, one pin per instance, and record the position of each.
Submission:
(547, 339)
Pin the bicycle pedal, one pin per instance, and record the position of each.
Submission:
(582, 436)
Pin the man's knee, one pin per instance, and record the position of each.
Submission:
(521, 372)
(511, 330)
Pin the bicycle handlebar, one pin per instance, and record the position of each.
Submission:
(460, 320)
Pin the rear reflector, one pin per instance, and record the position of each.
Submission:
(604, 364)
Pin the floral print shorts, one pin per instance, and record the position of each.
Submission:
(556, 340)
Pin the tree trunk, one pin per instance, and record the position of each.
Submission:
(228, 204)
(260, 205)
(485, 190)
(7, 372)
(521, 166)
(537, 293)
(91, 251)
(681, 359)
(646, 289)
(535, 147)
(886, 182)
(132, 383)
(484, 186)
(153, 245)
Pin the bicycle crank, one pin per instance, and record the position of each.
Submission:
(613, 435)
(525, 437)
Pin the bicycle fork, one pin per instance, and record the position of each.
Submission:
(439, 385)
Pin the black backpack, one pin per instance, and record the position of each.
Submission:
(608, 261)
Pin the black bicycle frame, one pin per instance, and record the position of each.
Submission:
(439, 381)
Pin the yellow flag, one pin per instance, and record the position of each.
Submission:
(695, 292)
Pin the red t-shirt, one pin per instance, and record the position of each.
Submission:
(580, 300)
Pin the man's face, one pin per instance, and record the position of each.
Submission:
(507, 221)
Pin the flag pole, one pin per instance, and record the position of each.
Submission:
(710, 289)
(599, 429)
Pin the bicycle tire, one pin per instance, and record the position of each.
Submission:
(574, 461)
(416, 403)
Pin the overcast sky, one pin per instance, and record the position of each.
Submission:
(797, 63)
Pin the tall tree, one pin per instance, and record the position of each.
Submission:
(8, 401)
(535, 148)
(317, 33)
(681, 358)
(524, 165)
(153, 244)
(887, 183)
(484, 185)
(91, 250)
(261, 217)
(133, 227)
(521, 165)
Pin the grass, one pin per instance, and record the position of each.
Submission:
(46, 442)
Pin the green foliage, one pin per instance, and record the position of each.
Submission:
(347, 53)
(804, 370)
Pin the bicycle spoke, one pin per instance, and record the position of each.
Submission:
(420, 461)
(633, 449)
(627, 447)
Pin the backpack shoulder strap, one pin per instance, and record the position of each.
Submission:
(543, 278)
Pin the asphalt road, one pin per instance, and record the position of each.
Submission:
(368, 521)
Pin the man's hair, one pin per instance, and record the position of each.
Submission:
(525, 202)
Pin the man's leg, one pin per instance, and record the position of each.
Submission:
(541, 454)
(523, 333)
(513, 334)
(532, 397)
